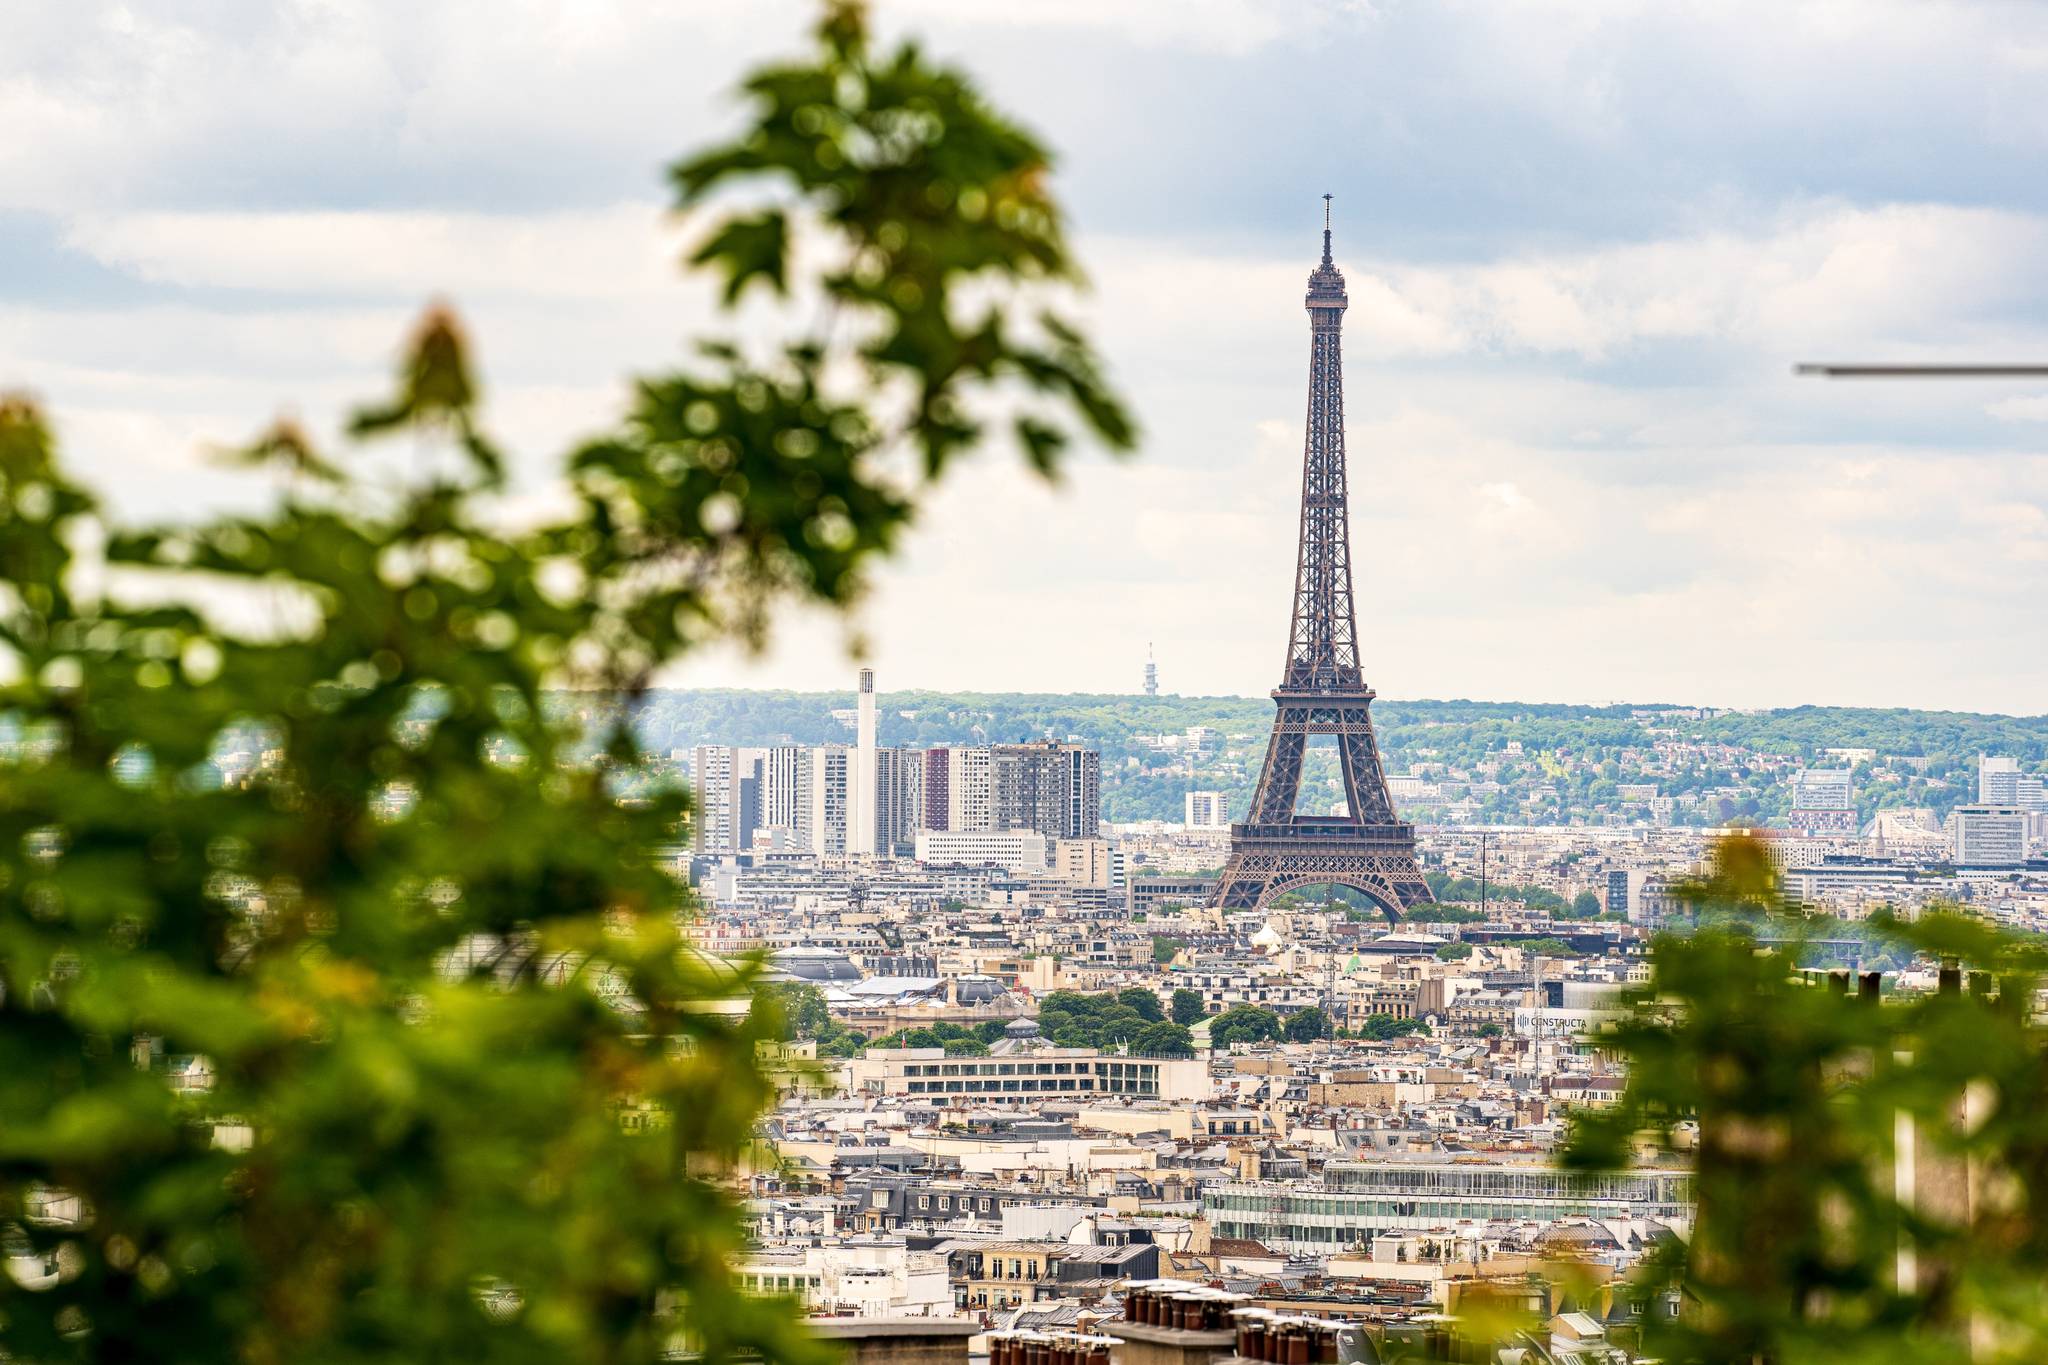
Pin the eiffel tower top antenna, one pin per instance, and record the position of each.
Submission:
(1326, 229)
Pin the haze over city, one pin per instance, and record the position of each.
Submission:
(1585, 246)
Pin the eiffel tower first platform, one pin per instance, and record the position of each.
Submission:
(1322, 691)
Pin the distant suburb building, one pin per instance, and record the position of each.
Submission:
(1206, 810)
(1025, 1077)
(1823, 789)
(1823, 801)
(1998, 780)
(1989, 836)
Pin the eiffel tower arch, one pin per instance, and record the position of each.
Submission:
(1322, 689)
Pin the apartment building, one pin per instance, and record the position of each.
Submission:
(831, 808)
(1053, 788)
(970, 790)
(728, 798)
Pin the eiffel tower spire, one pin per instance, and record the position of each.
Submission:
(1322, 689)
(1322, 648)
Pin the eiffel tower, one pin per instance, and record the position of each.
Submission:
(1322, 691)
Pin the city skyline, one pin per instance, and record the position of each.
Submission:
(1594, 411)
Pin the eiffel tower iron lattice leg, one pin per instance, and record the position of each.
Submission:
(1322, 689)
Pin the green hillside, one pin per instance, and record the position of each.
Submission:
(1572, 765)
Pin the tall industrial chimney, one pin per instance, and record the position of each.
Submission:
(860, 824)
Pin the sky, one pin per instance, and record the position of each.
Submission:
(1585, 243)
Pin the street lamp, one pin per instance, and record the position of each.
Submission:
(1923, 371)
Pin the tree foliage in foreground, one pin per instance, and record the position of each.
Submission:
(344, 1009)
(1871, 1173)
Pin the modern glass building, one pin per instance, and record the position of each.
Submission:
(1360, 1197)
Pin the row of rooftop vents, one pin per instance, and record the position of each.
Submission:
(1048, 1348)
(1262, 1334)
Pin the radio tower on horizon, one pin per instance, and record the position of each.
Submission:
(1151, 674)
(1322, 690)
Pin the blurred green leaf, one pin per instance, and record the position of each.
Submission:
(337, 986)
(1790, 1095)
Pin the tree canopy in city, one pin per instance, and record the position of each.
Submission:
(1381, 1027)
(1244, 1024)
(959, 1040)
(345, 1013)
(1131, 1017)
(1870, 1168)
(1308, 1026)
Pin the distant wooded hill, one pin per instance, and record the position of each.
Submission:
(1572, 761)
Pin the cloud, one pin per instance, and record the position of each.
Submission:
(1923, 280)
(1445, 129)
(1498, 510)
(479, 104)
(582, 255)
(2031, 407)
(1230, 27)
(1584, 244)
